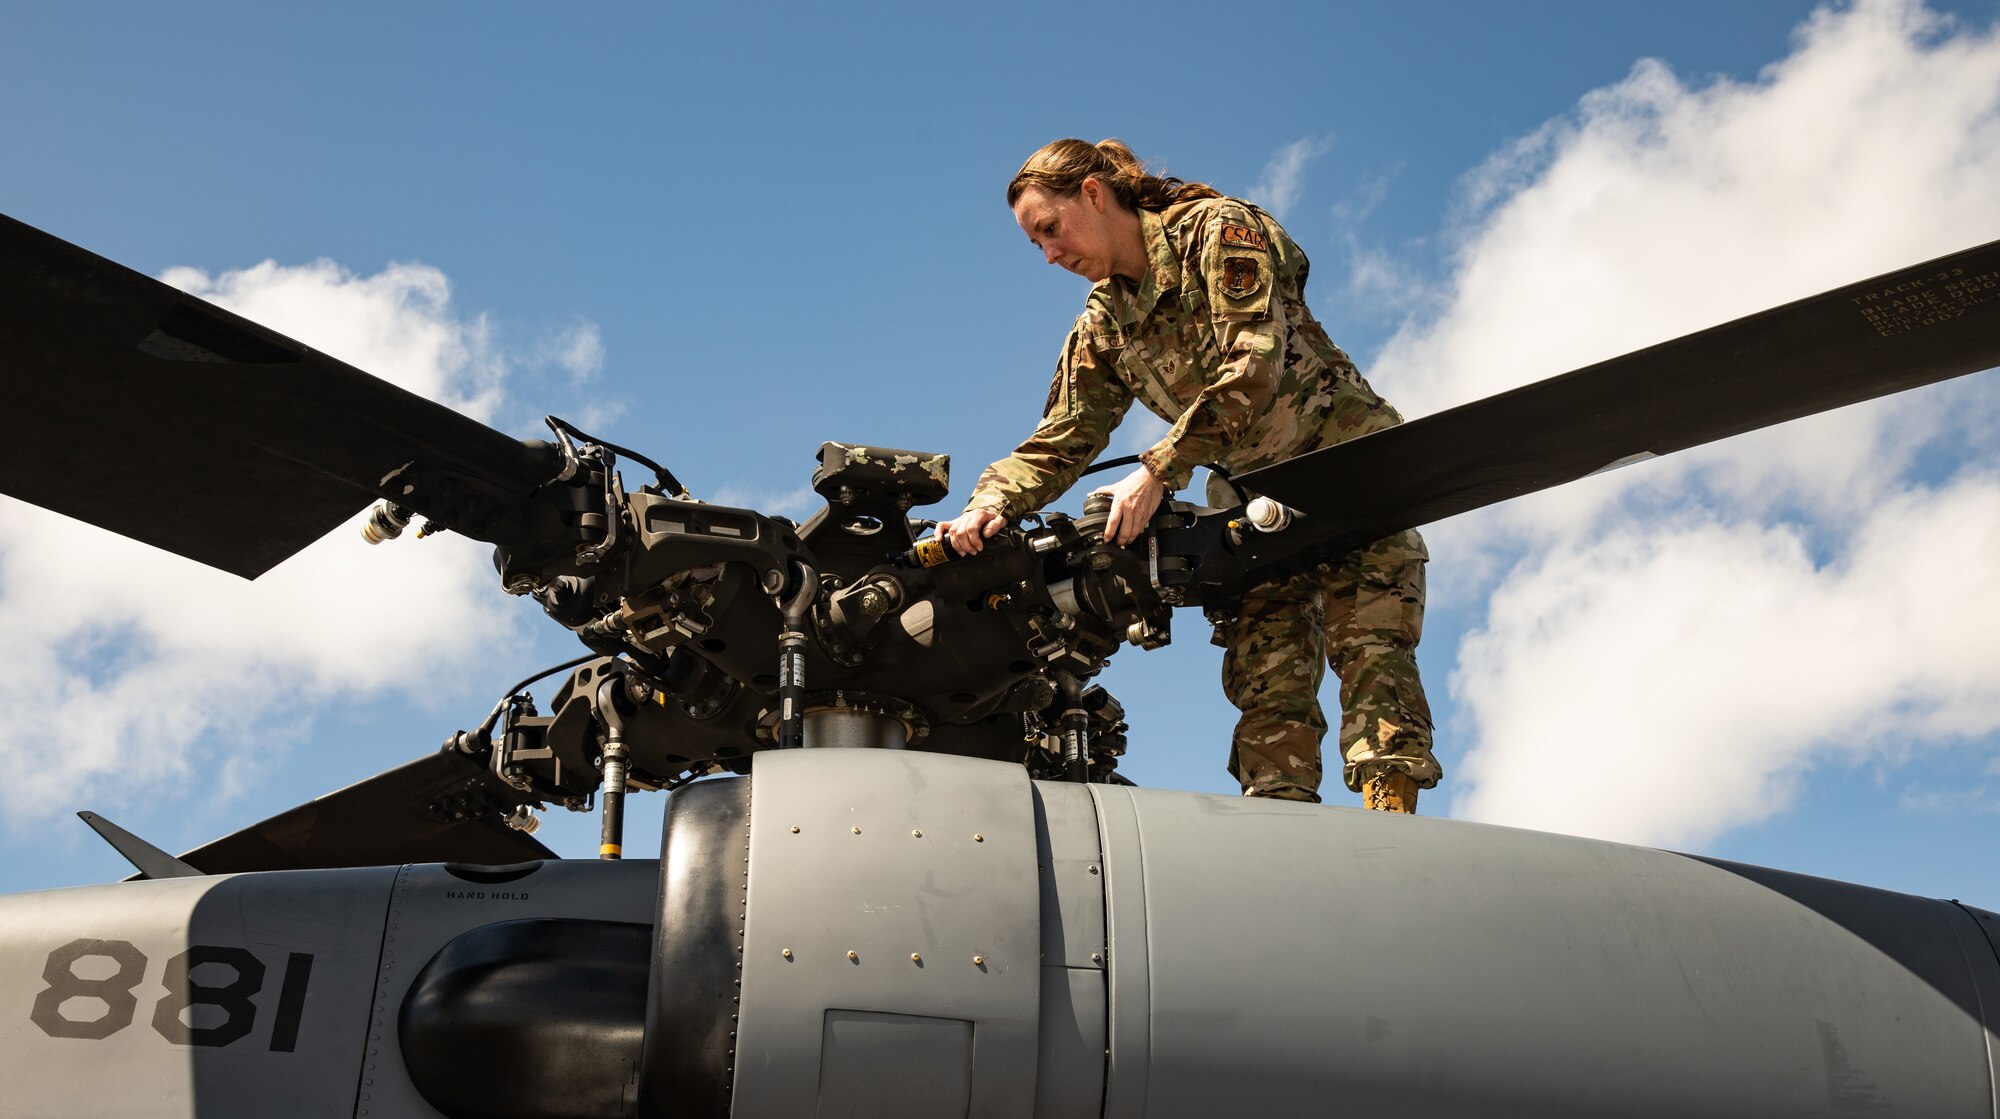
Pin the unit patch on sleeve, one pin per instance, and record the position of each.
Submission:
(1244, 236)
(1240, 275)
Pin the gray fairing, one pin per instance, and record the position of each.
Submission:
(1202, 955)
(334, 955)
(890, 933)
(1313, 959)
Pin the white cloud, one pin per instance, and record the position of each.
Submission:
(1376, 277)
(578, 351)
(1656, 209)
(1655, 670)
(1138, 432)
(1664, 681)
(1949, 802)
(797, 503)
(1284, 177)
(397, 324)
(132, 667)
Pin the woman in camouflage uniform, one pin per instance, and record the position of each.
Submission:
(1198, 312)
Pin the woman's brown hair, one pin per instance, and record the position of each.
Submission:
(1060, 168)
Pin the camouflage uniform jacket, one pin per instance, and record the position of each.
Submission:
(1216, 340)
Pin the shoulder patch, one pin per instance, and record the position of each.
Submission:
(1055, 393)
(1241, 276)
(1242, 236)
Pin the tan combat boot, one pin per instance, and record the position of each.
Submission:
(1391, 790)
(1284, 792)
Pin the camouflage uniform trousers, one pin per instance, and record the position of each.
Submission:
(1363, 615)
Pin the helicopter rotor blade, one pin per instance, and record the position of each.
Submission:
(1916, 326)
(148, 860)
(443, 807)
(146, 411)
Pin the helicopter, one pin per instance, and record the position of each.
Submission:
(900, 874)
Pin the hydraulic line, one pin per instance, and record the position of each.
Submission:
(666, 477)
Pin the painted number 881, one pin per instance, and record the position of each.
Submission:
(175, 1013)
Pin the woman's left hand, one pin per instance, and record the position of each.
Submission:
(1133, 502)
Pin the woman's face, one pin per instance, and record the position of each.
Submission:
(1088, 233)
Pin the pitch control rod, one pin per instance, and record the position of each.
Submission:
(611, 840)
(792, 661)
(1075, 725)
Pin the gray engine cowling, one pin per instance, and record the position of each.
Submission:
(925, 935)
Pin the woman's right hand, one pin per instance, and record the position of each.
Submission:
(969, 531)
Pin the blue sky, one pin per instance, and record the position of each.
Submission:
(722, 236)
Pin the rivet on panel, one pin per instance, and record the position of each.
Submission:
(1096, 958)
(787, 953)
(795, 829)
(916, 958)
(853, 956)
(916, 833)
(978, 961)
(1093, 868)
(857, 831)
(978, 838)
